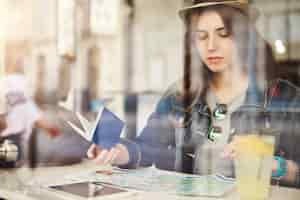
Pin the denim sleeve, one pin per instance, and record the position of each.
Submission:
(155, 144)
(285, 102)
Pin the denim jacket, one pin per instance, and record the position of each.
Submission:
(278, 108)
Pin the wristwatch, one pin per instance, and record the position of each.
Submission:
(281, 167)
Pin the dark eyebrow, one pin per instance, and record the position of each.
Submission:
(217, 29)
(197, 30)
(220, 29)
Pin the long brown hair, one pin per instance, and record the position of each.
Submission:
(253, 50)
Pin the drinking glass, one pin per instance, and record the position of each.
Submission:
(253, 164)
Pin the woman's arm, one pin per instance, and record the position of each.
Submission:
(150, 147)
(154, 145)
(291, 176)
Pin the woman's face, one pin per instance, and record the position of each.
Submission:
(213, 42)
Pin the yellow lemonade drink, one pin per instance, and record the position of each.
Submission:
(254, 166)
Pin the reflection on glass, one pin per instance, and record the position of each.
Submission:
(66, 35)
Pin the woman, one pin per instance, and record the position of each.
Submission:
(197, 119)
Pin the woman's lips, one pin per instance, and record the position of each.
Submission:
(215, 59)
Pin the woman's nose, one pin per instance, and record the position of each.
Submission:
(211, 44)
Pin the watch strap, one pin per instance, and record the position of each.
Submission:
(281, 167)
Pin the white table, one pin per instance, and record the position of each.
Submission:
(53, 175)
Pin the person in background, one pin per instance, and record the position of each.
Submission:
(227, 67)
(21, 115)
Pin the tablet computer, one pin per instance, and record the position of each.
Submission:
(87, 190)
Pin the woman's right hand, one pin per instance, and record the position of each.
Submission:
(118, 155)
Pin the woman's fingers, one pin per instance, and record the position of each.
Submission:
(107, 156)
(103, 156)
(230, 149)
(112, 154)
(92, 151)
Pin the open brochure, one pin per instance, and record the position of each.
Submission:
(151, 179)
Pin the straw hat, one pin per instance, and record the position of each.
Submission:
(242, 5)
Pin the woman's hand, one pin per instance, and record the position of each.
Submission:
(230, 153)
(118, 155)
(230, 148)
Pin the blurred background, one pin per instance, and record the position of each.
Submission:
(120, 53)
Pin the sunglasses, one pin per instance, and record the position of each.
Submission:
(209, 130)
(219, 113)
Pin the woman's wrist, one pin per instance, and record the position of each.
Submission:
(123, 155)
(292, 172)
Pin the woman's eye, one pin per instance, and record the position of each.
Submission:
(223, 33)
(202, 36)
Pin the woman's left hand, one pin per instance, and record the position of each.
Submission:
(292, 167)
(230, 152)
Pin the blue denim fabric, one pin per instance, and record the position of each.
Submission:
(157, 143)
